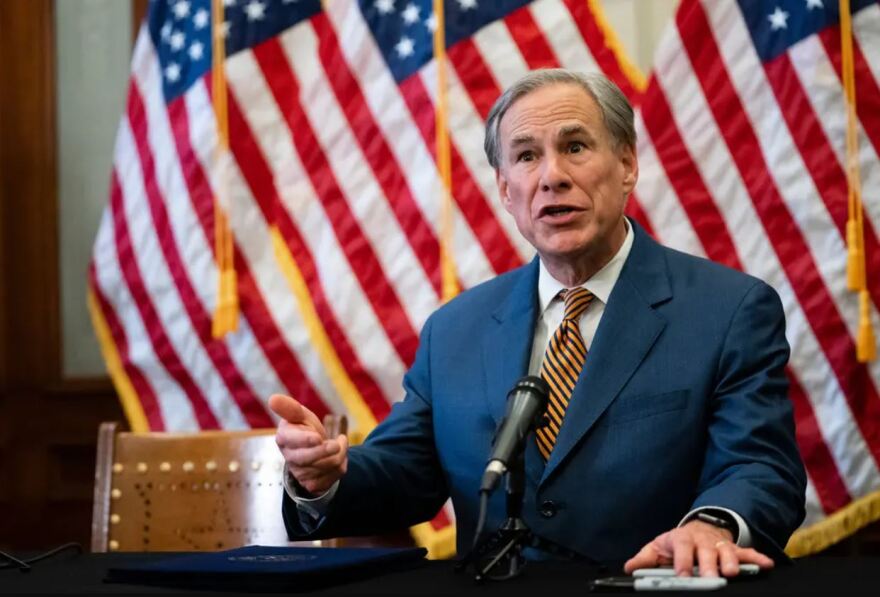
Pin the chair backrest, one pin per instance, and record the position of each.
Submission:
(189, 491)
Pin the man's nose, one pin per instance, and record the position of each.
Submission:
(554, 177)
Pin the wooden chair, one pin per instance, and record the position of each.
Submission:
(190, 491)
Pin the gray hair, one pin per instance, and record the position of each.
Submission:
(617, 113)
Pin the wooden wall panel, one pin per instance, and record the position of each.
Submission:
(5, 149)
(30, 235)
(48, 425)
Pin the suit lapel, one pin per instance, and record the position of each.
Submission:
(628, 329)
(507, 347)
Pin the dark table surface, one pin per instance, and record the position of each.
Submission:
(85, 573)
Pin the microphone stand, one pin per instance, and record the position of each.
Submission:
(499, 556)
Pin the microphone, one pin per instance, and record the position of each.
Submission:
(526, 403)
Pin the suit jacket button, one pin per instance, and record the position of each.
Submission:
(548, 509)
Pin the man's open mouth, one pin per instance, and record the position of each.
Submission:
(556, 210)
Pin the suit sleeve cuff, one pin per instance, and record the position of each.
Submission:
(315, 507)
(743, 536)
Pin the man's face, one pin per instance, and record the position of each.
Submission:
(561, 177)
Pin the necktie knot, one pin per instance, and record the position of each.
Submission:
(576, 301)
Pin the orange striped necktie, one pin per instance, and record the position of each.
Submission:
(563, 361)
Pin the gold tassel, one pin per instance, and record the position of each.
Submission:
(855, 256)
(448, 276)
(225, 319)
(226, 312)
(866, 344)
(856, 267)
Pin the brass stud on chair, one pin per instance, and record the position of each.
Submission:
(115, 493)
(117, 467)
(165, 467)
(233, 466)
(256, 464)
(114, 545)
(115, 518)
(142, 467)
(211, 465)
(188, 466)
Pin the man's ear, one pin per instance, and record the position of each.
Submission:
(630, 163)
(503, 189)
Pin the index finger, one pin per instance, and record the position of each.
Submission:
(292, 411)
(646, 558)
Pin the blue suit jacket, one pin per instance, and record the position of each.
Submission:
(682, 403)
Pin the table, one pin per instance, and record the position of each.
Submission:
(84, 573)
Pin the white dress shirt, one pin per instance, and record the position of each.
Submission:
(552, 311)
(553, 308)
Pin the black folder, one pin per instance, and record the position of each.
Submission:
(255, 567)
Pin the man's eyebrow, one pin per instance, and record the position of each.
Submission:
(522, 140)
(573, 129)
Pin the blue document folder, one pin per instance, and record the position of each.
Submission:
(256, 567)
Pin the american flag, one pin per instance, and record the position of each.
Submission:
(742, 154)
(334, 197)
(332, 191)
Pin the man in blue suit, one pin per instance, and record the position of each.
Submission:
(669, 435)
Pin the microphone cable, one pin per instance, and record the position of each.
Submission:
(24, 565)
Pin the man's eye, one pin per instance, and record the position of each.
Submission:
(576, 147)
(525, 156)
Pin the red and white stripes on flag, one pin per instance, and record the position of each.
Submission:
(334, 201)
(743, 161)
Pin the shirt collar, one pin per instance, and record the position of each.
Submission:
(600, 284)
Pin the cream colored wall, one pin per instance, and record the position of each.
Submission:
(639, 25)
(93, 45)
